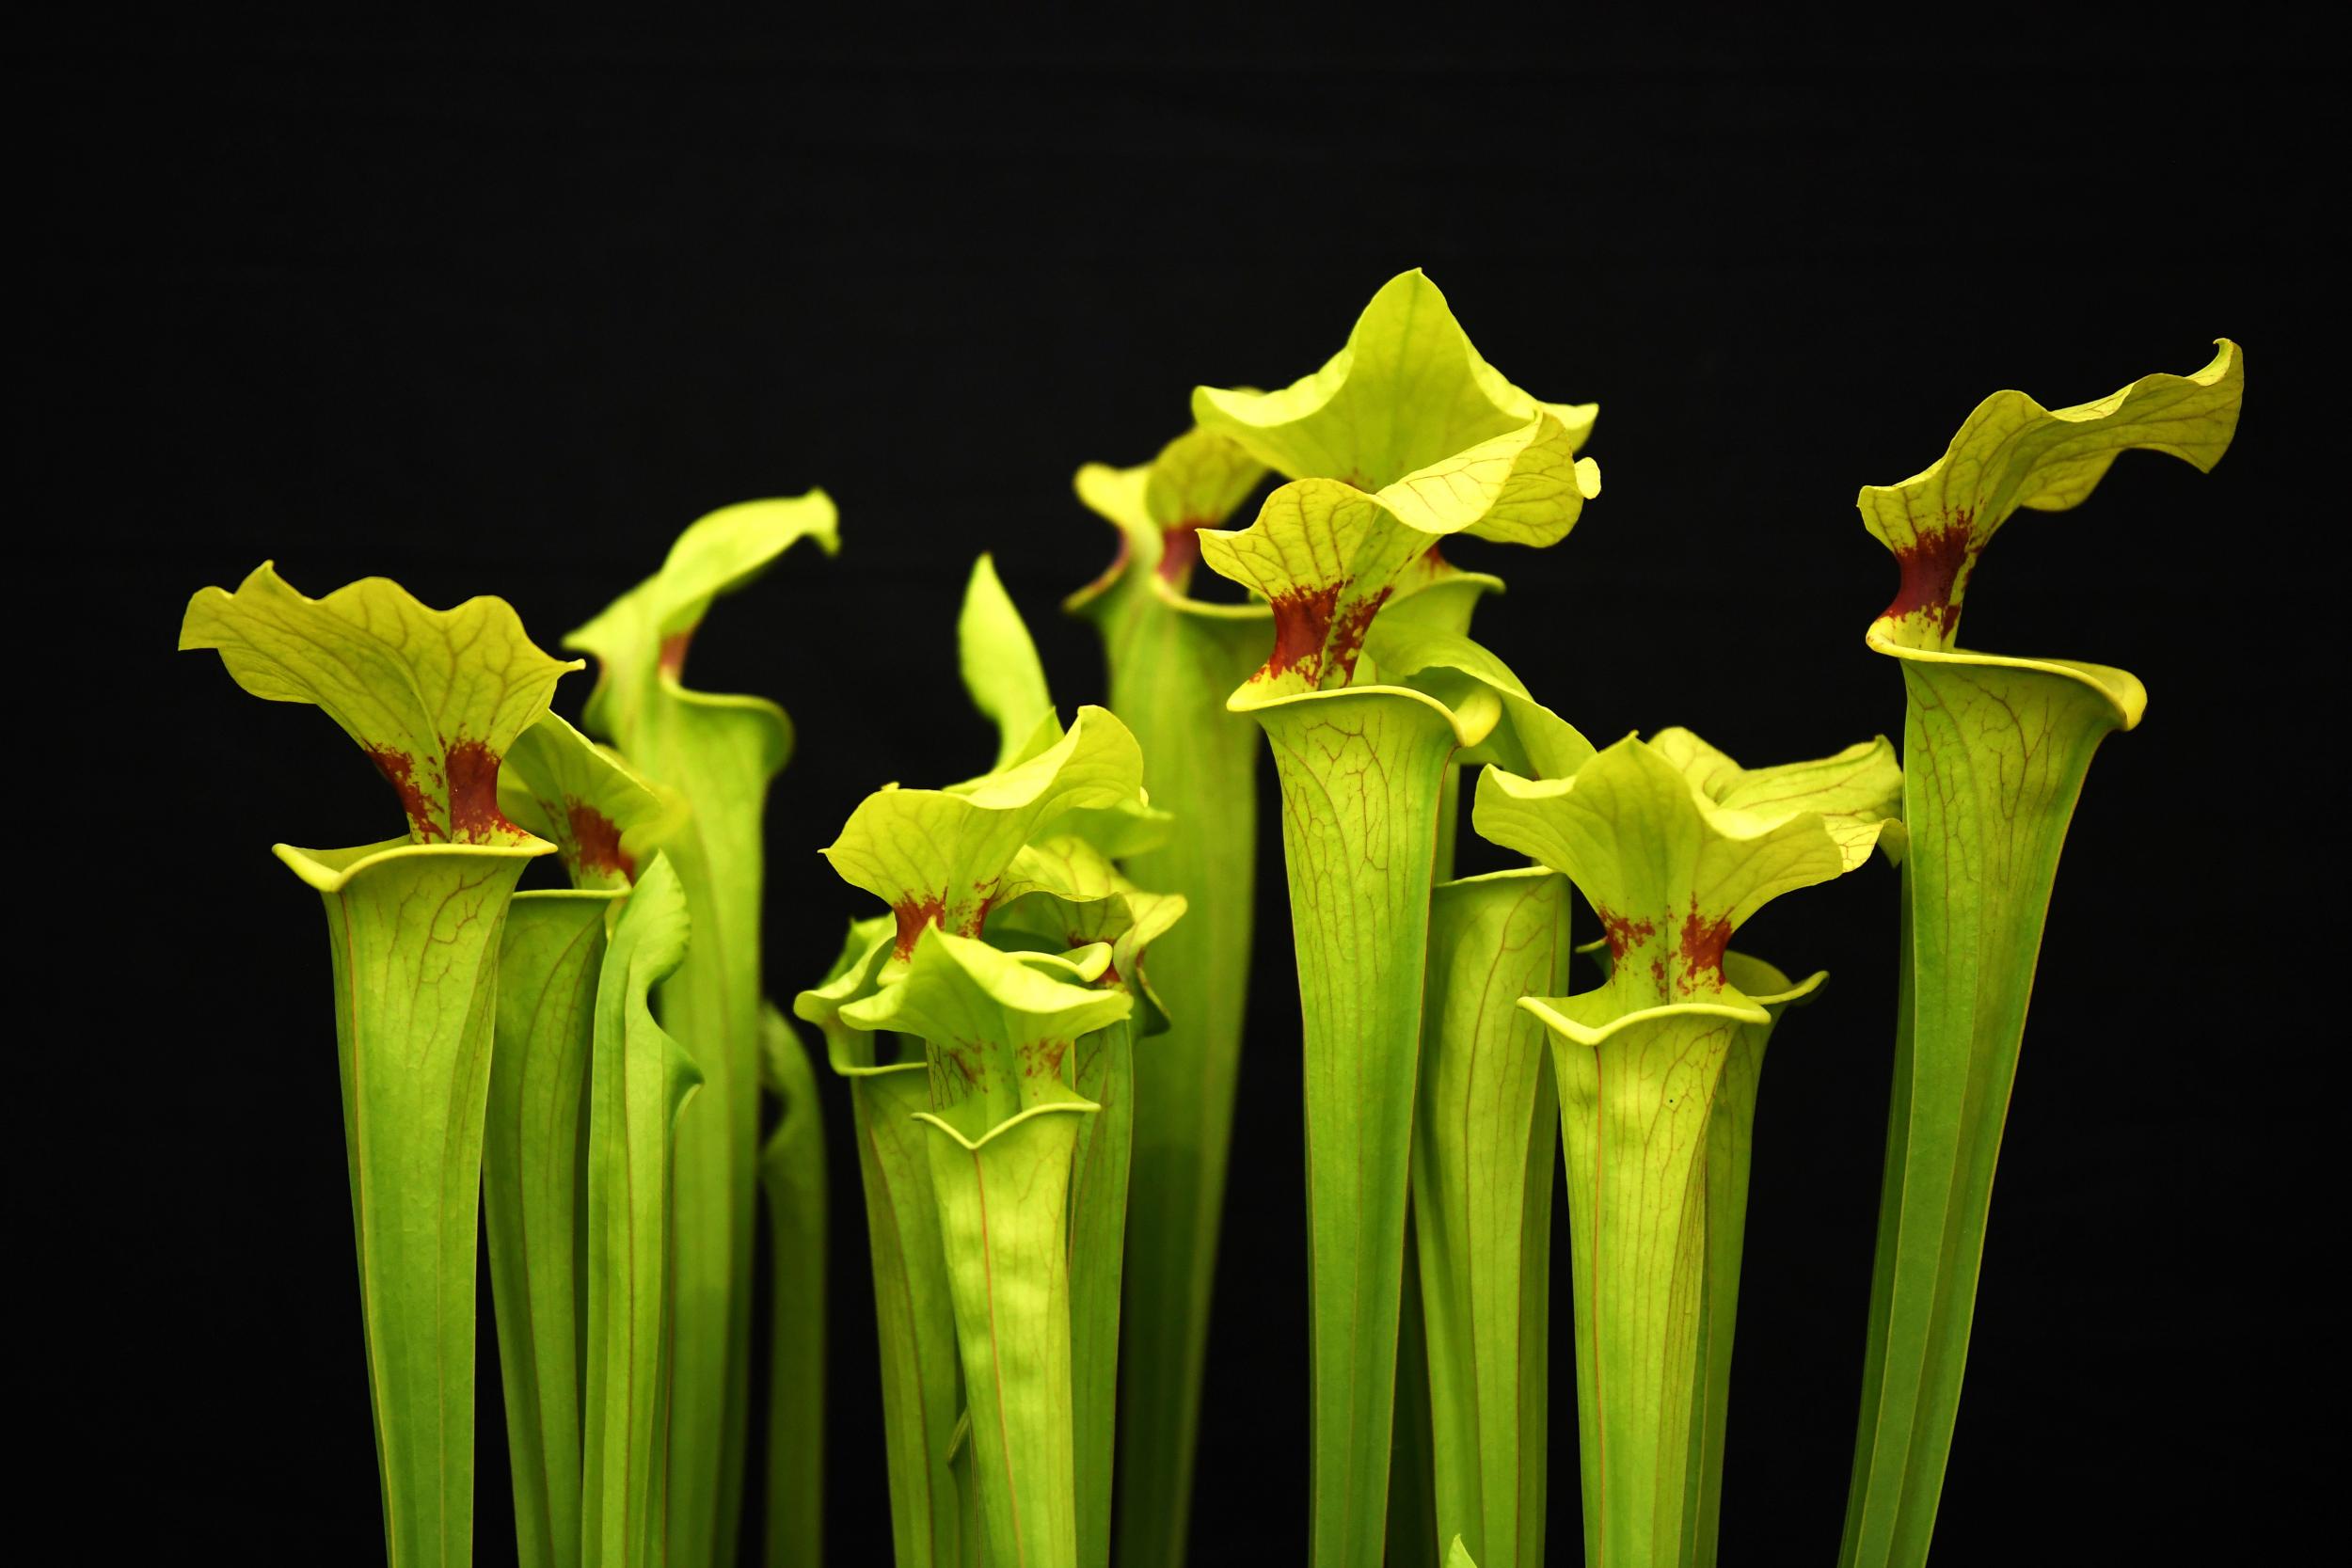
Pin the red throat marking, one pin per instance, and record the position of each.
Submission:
(1704, 941)
(1933, 565)
(597, 841)
(913, 917)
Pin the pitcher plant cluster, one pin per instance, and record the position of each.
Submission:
(1037, 1016)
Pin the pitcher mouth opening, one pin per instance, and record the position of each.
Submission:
(332, 870)
(1472, 723)
(2123, 690)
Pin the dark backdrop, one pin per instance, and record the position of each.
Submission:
(501, 313)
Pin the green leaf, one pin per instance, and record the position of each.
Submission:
(1856, 793)
(936, 856)
(855, 975)
(1006, 684)
(1063, 892)
(602, 816)
(1172, 660)
(792, 1177)
(415, 930)
(639, 1081)
(1000, 663)
(2014, 452)
(1671, 871)
(1408, 392)
(433, 697)
(1197, 481)
(641, 639)
(719, 752)
(1528, 740)
(1483, 1167)
(534, 1200)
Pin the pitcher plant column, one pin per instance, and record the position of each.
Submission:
(1994, 752)
(1172, 660)
(434, 698)
(1673, 864)
(1407, 436)
(719, 753)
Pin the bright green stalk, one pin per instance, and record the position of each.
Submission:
(1103, 1072)
(1003, 1209)
(719, 752)
(1676, 846)
(1172, 660)
(921, 1377)
(1001, 1028)
(414, 926)
(639, 1081)
(1443, 604)
(532, 1199)
(1636, 1105)
(1730, 1136)
(1360, 774)
(414, 931)
(601, 816)
(1405, 437)
(792, 1177)
(1482, 1200)
(1065, 893)
(1994, 752)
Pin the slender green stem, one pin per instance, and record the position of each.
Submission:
(415, 936)
(720, 752)
(1994, 755)
(712, 1004)
(533, 1198)
(1004, 1211)
(915, 1316)
(1730, 1143)
(1634, 1114)
(792, 1179)
(1483, 1174)
(1360, 776)
(1171, 666)
(1104, 1073)
(639, 1081)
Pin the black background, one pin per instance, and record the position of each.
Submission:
(501, 311)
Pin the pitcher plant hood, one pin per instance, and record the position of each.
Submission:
(433, 697)
(1676, 846)
(2013, 452)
